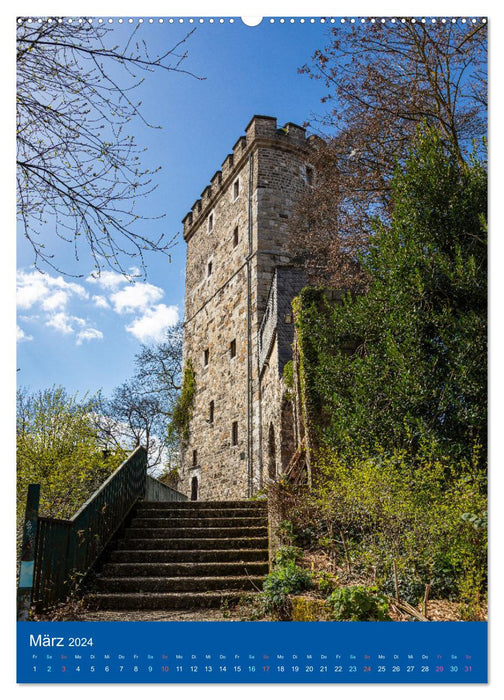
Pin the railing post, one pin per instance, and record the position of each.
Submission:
(26, 571)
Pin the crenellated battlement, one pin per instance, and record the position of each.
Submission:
(261, 130)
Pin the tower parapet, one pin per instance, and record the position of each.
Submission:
(260, 131)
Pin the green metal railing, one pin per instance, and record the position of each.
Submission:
(157, 491)
(67, 549)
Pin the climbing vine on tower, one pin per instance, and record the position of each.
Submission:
(183, 410)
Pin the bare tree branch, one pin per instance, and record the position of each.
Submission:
(139, 410)
(79, 171)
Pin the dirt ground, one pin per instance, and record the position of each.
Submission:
(160, 616)
(437, 611)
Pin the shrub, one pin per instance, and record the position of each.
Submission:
(280, 583)
(423, 517)
(288, 554)
(286, 531)
(358, 603)
(326, 582)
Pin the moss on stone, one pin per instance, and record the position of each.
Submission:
(305, 609)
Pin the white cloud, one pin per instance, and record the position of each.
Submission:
(89, 334)
(152, 325)
(30, 292)
(21, 335)
(58, 300)
(137, 297)
(108, 279)
(100, 302)
(141, 299)
(53, 300)
(64, 323)
(52, 295)
(74, 325)
(51, 292)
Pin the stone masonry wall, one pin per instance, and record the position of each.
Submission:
(275, 347)
(215, 316)
(228, 276)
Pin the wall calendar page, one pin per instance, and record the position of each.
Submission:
(252, 440)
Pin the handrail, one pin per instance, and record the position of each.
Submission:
(107, 481)
(157, 491)
(67, 549)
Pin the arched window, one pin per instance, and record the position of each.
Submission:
(272, 470)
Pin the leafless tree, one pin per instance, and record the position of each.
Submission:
(79, 171)
(133, 417)
(139, 410)
(159, 367)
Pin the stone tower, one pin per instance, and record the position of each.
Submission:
(238, 328)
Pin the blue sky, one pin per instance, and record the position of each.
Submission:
(84, 333)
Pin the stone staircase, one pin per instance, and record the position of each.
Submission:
(185, 556)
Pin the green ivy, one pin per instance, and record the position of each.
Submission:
(288, 374)
(183, 411)
(288, 377)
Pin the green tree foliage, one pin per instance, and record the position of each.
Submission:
(383, 80)
(407, 361)
(58, 448)
(394, 382)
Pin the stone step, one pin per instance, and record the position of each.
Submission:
(188, 555)
(202, 505)
(228, 515)
(146, 543)
(163, 601)
(184, 569)
(178, 522)
(194, 533)
(185, 556)
(183, 584)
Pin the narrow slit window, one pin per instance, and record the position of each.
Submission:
(232, 348)
(209, 269)
(236, 189)
(206, 355)
(234, 433)
(210, 222)
(211, 411)
(235, 237)
(195, 458)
